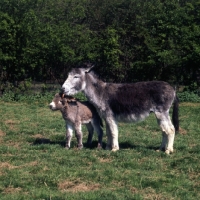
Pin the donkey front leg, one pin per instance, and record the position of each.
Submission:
(112, 134)
(99, 130)
(69, 133)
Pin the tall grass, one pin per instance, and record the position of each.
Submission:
(35, 165)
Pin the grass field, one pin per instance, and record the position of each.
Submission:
(35, 165)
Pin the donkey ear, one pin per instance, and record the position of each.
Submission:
(87, 70)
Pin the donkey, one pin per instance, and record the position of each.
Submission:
(75, 113)
(127, 102)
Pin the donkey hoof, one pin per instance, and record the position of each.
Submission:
(115, 149)
(67, 147)
(160, 149)
(168, 151)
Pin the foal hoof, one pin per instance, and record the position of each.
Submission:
(99, 146)
(79, 147)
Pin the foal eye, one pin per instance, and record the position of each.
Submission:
(76, 76)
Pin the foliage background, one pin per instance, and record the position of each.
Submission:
(129, 40)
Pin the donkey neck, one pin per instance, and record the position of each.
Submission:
(94, 90)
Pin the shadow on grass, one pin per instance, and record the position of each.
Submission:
(127, 145)
(123, 145)
(40, 141)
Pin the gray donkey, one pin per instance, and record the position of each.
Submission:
(76, 113)
(127, 102)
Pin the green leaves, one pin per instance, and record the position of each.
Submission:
(130, 40)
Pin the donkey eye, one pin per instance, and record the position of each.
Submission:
(76, 76)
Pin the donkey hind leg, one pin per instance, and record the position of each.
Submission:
(99, 131)
(168, 131)
(79, 135)
(90, 133)
(69, 133)
(112, 134)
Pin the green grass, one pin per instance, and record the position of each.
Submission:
(35, 165)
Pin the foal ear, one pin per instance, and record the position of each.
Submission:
(63, 101)
(87, 70)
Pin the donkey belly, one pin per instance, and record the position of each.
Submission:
(131, 117)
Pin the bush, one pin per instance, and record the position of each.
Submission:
(187, 96)
(47, 96)
(38, 98)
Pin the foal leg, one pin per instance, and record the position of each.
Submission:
(79, 135)
(69, 133)
(90, 135)
(112, 133)
(168, 131)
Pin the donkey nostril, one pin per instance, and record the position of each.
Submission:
(50, 106)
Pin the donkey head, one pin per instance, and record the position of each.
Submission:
(76, 81)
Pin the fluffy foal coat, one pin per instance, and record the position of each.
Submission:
(127, 102)
(76, 113)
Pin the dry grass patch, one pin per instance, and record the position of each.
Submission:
(2, 134)
(182, 131)
(7, 165)
(150, 194)
(11, 190)
(38, 136)
(77, 186)
(189, 104)
(12, 124)
(105, 160)
(16, 145)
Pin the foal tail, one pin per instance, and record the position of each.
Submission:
(175, 115)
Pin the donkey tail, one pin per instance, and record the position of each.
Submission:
(175, 114)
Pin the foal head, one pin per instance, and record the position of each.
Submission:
(60, 100)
